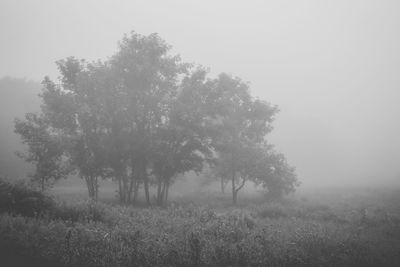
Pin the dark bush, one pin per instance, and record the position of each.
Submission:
(18, 198)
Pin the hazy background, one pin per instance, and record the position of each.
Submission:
(333, 68)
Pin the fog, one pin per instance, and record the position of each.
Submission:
(331, 67)
(17, 97)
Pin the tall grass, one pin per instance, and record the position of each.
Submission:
(269, 234)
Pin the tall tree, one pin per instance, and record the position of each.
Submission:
(183, 143)
(149, 77)
(115, 127)
(74, 110)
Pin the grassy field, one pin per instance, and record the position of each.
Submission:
(324, 227)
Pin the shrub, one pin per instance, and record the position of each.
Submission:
(18, 198)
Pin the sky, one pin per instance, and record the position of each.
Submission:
(332, 67)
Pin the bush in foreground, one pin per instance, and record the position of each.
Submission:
(18, 198)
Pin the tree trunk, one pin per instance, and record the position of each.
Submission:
(146, 190)
(145, 182)
(159, 185)
(92, 186)
(89, 186)
(120, 189)
(96, 189)
(162, 194)
(136, 176)
(42, 184)
(234, 192)
(125, 188)
(131, 182)
(166, 189)
(136, 190)
(234, 197)
(222, 185)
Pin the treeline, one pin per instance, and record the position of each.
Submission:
(142, 117)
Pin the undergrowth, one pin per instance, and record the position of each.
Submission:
(269, 234)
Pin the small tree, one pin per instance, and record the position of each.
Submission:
(44, 150)
(275, 175)
(242, 123)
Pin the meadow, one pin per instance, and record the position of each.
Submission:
(335, 227)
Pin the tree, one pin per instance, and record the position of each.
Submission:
(111, 108)
(242, 123)
(275, 175)
(73, 110)
(148, 76)
(144, 115)
(44, 150)
(182, 143)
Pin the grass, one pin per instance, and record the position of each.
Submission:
(206, 231)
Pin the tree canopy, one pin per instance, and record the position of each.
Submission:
(143, 117)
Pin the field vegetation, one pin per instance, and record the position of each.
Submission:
(36, 230)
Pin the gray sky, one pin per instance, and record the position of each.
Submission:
(333, 67)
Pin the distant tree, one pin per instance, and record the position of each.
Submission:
(242, 123)
(275, 175)
(44, 150)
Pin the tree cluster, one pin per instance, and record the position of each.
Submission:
(143, 117)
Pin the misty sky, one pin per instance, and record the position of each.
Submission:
(333, 67)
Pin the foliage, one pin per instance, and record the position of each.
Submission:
(20, 199)
(144, 117)
(45, 150)
(242, 124)
(272, 171)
